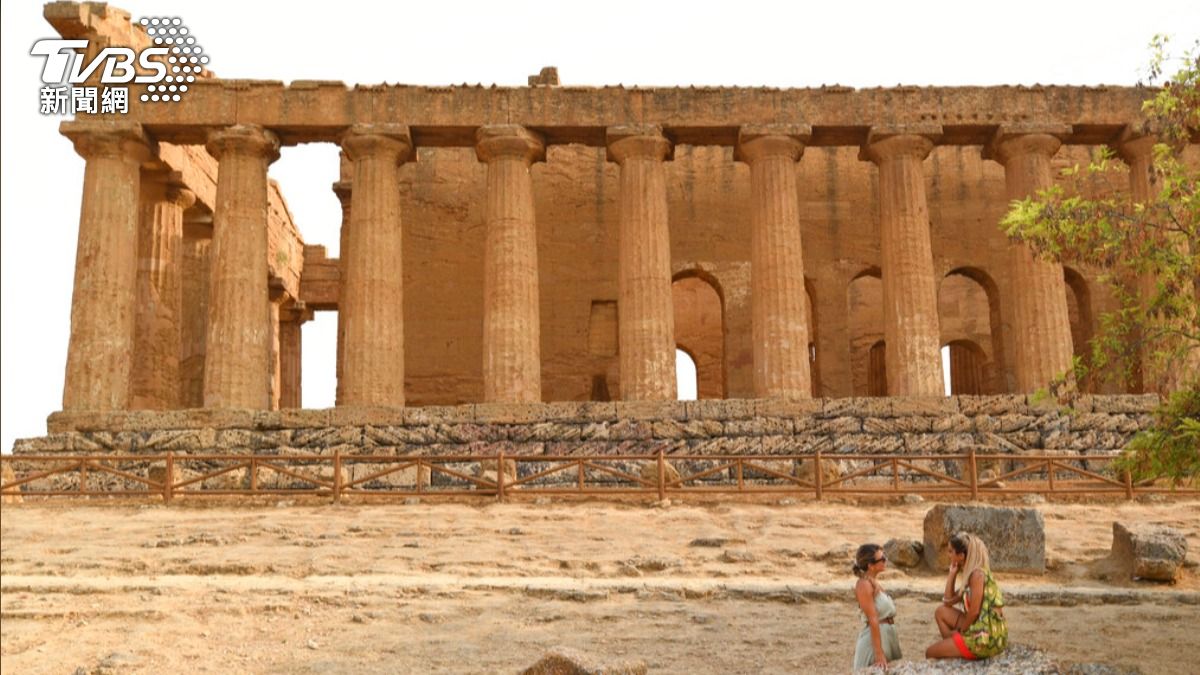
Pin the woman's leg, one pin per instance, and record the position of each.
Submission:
(946, 617)
(943, 649)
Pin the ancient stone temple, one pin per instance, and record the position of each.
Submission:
(525, 254)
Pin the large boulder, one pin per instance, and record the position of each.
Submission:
(649, 472)
(7, 475)
(904, 552)
(565, 661)
(1016, 538)
(1145, 551)
(831, 470)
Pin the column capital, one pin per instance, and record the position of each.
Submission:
(245, 139)
(899, 140)
(343, 190)
(1012, 140)
(771, 140)
(180, 196)
(640, 140)
(363, 140)
(125, 140)
(509, 141)
(1132, 144)
(296, 312)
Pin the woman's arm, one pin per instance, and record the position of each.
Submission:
(976, 605)
(949, 597)
(864, 591)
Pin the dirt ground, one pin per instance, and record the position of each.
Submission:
(450, 587)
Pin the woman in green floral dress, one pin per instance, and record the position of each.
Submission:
(978, 631)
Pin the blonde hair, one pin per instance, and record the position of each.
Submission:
(976, 552)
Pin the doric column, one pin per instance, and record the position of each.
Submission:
(195, 259)
(912, 338)
(511, 330)
(1138, 153)
(1042, 327)
(102, 305)
(645, 317)
(777, 298)
(291, 319)
(158, 332)
(342, 188)
(372, 293)
(237, 350)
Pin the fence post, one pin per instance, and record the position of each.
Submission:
(819, 475)
(1128, 484)
(169, 479)
(500, 475)
(337, 476)
(662, 476)
(972, 467)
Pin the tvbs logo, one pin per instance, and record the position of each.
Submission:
(64, 65)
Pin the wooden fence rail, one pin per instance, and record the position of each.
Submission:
(171, 476)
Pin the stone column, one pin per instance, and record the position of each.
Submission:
(1138, 153)
(912, 338)
(372, 293)
(102, 305)
(291, 319)
(1042, 328)
(512, 370)
(342, 188)
(158, 345)
(645, 317)
(780, 320)
(237, 350)
(195, 261)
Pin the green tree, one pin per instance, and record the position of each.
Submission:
(1149, 256)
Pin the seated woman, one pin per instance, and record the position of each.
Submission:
(877, 641)
(978, 631)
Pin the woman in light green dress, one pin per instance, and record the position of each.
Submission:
(878, 642)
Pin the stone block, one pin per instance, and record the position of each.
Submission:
(546, 431)
(726, 445)
(383, 476)
(1106, 422)
(856, 406)
(774, 407)
(1002, 404)
(651, 410)
(431, 415)
(924, 443)
(510, 413)
(1125, 403)
(625, 429)
(904, 552)
(298, 418)
(867, 443)
(328, 437)
(956, 422)
(564, 448)
(581, 411)
(567, 661)
(837, 425)
(388, 436)
(932, 406)
(721, 409)
(469, 433)
(1015, 537)
(1146, 551)
(759, 426)
(357, 416)
(897, 425)
(596, 431)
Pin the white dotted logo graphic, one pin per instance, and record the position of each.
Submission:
(185, 59)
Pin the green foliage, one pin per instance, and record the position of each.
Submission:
(1148, 254)
(1172, 448)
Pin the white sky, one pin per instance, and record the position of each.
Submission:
(783, 44)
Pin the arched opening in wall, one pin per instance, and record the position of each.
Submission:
(699, 328)
(963, 362)
(305, 176)
(686, 379)
(877, 369)
(1079, 310)
(864, 320)
(969, 314)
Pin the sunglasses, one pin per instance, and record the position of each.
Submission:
(882, 558)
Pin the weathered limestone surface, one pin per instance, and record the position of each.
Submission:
(1015, 538)
(237, 350)
(1144, 551)
(511, 323)
(372, 297)
(103, 311)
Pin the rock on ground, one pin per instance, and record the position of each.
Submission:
(1015, 537)
(904, 552)
(564, 661)
(1145, 551)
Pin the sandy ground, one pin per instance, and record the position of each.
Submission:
(445, 587)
